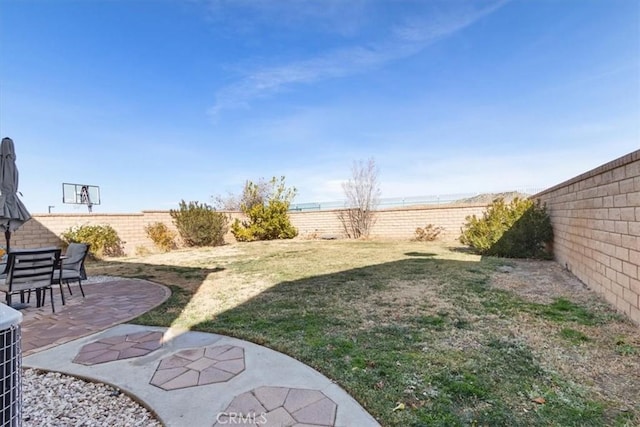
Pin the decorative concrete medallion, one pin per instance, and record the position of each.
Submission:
(120, 347)
(200, 366)
(280, 406)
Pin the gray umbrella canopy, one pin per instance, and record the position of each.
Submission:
(12, 212)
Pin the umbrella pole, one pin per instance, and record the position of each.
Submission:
(7, 236)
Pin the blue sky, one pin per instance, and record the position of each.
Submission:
(158, 101)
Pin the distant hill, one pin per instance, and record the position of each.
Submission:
(487, 198)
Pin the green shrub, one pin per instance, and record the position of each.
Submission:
(142, 250)
(200, 224)
(482, 233)
(162, 237)
(520, 229)
(266, 219)
(103, 239)
(427, 234)
(265, 223)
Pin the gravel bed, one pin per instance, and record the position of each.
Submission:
(54, 399)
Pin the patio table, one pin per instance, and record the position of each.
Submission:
(39, 294)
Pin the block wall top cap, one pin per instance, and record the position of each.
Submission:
(634, 156)
(434, 206)
(86, 215)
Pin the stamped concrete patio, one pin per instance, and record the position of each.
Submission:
(185, 378)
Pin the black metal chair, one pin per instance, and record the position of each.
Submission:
(72, 267)
(29, 270)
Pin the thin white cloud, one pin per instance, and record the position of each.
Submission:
(249, 16)
(406, 39)
(268, 81)
(591, 79)
(444, 22)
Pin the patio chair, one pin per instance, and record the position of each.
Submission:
(29, 270)
(72, 267)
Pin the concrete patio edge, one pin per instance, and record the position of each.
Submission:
(199, 405)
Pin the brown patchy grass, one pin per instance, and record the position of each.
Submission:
(598, 360)
(458, 339)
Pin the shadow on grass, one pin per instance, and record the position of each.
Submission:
(463, 250)
(420, 254)
(397, 332)
(184, 282)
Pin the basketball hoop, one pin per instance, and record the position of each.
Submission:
(81, 194)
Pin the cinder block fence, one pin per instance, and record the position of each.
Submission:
(596, 223)
(46, 229)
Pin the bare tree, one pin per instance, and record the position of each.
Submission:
(230, 202)
(363, 194)
(252, 194)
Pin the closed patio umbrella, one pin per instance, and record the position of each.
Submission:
(12, 212)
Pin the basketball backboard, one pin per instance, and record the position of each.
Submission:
(81, 194)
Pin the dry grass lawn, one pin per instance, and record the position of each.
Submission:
(419, 333)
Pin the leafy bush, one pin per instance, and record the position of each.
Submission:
(162, 237)
(142, 250)
(200, 224)
(267, 219)
(265, 223)
(427, 234)
(520, 229)
(103, 239)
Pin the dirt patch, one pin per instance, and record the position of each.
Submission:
(540, 281)
(606, 362)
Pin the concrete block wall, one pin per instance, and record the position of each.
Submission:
(316, 224)
(596, 224)
(399, 223)
(45, 229)
(402, 223)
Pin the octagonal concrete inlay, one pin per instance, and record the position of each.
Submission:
(119, 347)
(200, 366)
(280, 406)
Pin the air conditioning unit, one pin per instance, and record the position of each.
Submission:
(10, 367)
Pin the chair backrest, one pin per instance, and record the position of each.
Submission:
(32, 266)
(76, 254)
